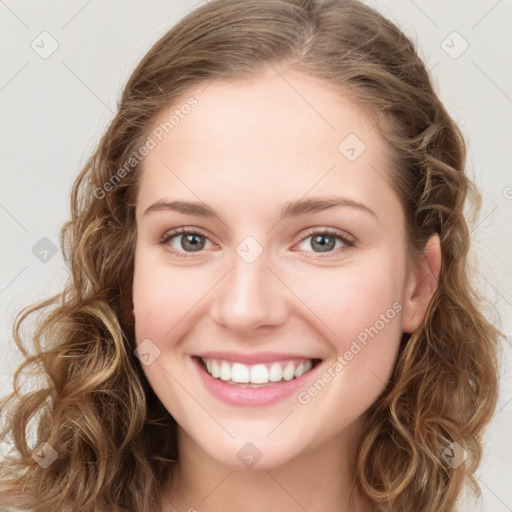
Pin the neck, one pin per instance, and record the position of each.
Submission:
(318, 480)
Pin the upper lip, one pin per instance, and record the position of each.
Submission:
(254, 358)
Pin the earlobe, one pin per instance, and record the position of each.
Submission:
(421, 284)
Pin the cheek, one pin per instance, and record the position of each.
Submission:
(363, 310)
(164, 296)
(349, 299)
(358, 311)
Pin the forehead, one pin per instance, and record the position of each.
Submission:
(273, 138)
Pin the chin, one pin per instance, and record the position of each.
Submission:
(252, 456)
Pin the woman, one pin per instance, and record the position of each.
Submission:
(324, 349)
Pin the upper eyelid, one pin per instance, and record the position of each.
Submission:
(330, 231)
(171, 233)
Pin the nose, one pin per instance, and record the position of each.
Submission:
(250, 298)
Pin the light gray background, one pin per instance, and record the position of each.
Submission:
(54, 109)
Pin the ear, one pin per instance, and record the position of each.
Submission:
(421, 283)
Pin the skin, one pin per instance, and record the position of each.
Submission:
(246, 149)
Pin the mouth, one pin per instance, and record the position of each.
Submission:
(259, 375)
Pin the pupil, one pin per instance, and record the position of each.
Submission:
(320, 240)
(193, 241)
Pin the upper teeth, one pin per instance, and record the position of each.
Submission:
(258, 373)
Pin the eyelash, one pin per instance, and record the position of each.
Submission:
(313, 231)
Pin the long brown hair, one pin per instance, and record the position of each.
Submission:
(114, 440)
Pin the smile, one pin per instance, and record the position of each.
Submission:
(256, 375)
(256, 379)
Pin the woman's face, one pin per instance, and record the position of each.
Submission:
(257, 293)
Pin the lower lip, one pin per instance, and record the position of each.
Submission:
(242, 396)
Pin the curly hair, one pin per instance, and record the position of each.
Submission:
(115, 441)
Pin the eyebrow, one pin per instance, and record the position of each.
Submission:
(289, 209)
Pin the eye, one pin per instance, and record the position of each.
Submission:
(184, 239)
(184, 242)
(325, 241)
